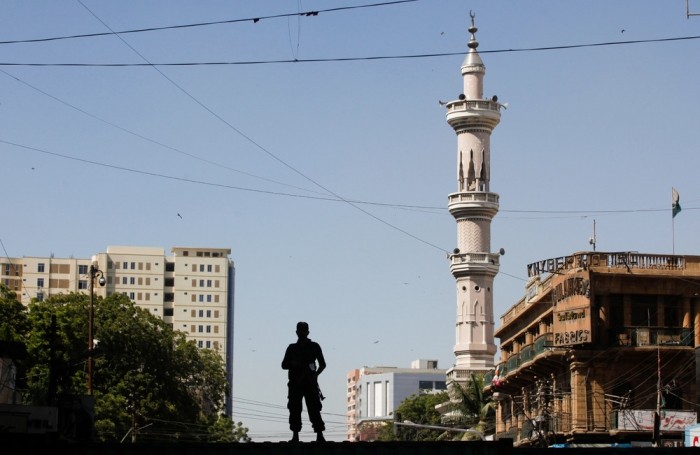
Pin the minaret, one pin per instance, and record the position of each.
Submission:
(473, 205)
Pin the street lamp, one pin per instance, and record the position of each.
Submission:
(94, 273)
(408, 423)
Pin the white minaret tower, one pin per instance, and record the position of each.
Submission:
(473, 205)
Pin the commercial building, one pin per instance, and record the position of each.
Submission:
(192, 290)
(601, 349)
(374, 393)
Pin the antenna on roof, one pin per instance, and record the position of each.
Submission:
(592, 239)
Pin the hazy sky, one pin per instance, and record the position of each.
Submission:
(260, 157)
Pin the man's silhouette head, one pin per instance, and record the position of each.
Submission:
(302, 329)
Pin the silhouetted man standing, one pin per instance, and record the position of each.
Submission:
(300, 359)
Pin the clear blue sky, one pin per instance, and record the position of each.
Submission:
(594, 133)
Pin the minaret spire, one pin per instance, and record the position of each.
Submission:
(473, 206)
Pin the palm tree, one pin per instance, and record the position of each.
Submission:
(470, 409)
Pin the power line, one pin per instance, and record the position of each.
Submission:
(354, 59)
(260, 147)
(204, 24)
(148, 139)
(293, 195)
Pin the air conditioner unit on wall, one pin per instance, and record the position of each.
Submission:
(643, 337)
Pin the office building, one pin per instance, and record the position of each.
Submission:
(374, 393)
(192, 290)
(602, 349)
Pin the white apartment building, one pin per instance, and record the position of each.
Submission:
(374, 393)
(192, 290)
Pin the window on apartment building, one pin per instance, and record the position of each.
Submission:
(39, 268)
(201, 283)
(216, 313)
(133, 266)
(200, 344)
(200, 329)
(216, 284)
(201, 267)
(208, 283)
(216, 329)
(132, 295)
(125, 265)
(40, 282)
(216, 345)
(440, 385)
(209, 298)
(617, 311)
(169, 266)
(425, 385)
(201, 313)
(168, 297)
(208, 313)
(217, 269)
(139, 296)
(201, 297)
(82, 269)
(148, 296)
(110, 265)
(644, 310)
(194, 297)
(140, 265)
(82, 284)
(170, 282)
(671, 311)
(193, 313)
(216, 298)
(124, 280)
(40, 296)
(167, 312)
(132, 280)
(199, 254)
(208, 329)
(109, 279)
(208, 344)
(208, 267)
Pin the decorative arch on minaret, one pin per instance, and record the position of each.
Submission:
(483, 183)
(471, 174)
(460, 176)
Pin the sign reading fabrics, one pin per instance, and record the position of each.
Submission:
(572, 311)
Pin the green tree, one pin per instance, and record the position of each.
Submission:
(419, 409)
(225, 430)
(14, 324)
(145, 374)
(471, 409)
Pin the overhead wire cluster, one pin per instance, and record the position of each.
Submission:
(326, 194)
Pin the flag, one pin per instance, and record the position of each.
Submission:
(676, 205)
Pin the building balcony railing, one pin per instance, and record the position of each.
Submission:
(627, 260)
(652, 336)
(543, 342)
(489, 259)
(473, 105)
(527, 353)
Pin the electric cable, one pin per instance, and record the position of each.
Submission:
(260, 147)
(352, 59)
(204, 24)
